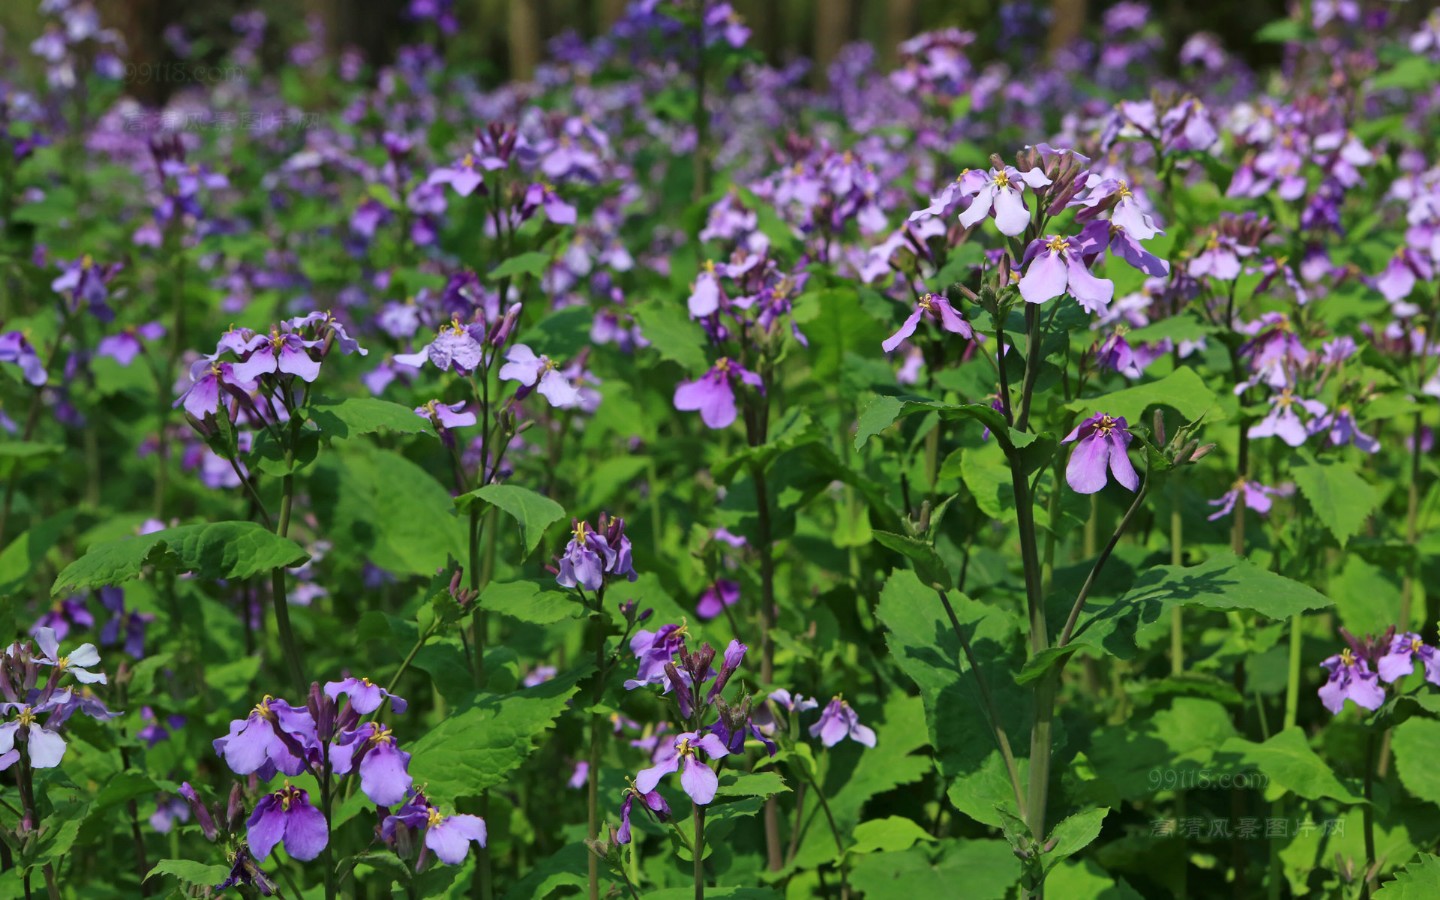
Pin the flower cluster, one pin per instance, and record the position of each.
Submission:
(1359, 672)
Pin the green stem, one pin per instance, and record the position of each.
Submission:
(698, 851)
(472, 574)
(1292, 681)
(289, 647)
(1367, 813)
(834, 831)
(327, 800)
(1177, 632)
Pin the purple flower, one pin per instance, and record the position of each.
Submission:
(1053, 268)
(522, 365)
(593, 554)
(462, 176)
(365, 695)
(209, 377)
(62, 615)
(286, 815)
(713, 395)
(383, 767)
(1342, 429)
(1350, 678)
(77, 662)
(837, 722)
(543, 196)
(286, 354)
(1098, 235)
(717, 597)
(938, 309)
(652, 801)
(705, 292)
(125, 346)
(446, 415)
(167, 812)
(1283, 421)
(15, 348)
(44, 746)
(654, 649)
(448, 837)
(998, 193)
(275, 736)
(1257, 497)
(1101, 443)
(456, 347)
(1399, 661)
(696, 776)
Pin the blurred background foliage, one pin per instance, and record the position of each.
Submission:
(506, 38)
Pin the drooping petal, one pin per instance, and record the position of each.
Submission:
(647, 779)
(383, 775)
(1011, 216)
(698, 780)
(450, 839)
(906, 329)
(46, 748)
(266, 827)
(305, 832)
(1120, 465)
(1085, 473)
(1093, 293)
(1045, 279)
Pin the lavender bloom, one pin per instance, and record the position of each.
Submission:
(1257, 498)
(44, 745)
(705, 292)
(1350, 678)
(286, 815)
(1054, 268)
(998, 193)
(77, 662)
(1283, 421)
(383, 767)
(717, 598)
(1101, 442)
(456, 347)
(713, 395)
(62, 615)
(938, 309)
(125, 346)
(446, 415)
(522, 365)
(1098, 235)
(592, 554)
(654, 649)
(448, 837)
(1342, 429)
(209, 377)
(275, 736)
(15, 348)
(365, 695)
(462, 176)
(1404, 650)
(652, 801)
(167, 813)
(837, 722)
(286, 354)
(696, 776)
(543, 196)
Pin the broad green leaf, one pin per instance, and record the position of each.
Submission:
(24, 554)
(891, 834)
(365, 415)
(837, 326)
(1224, 582)
(533, 512)
(974, 870)
(533, 264)
(1414, 742)
(1411, 73)
(732, 893)
(1181, 390)
(758, 784)
(929, 567)
(986, 475)
(477, 747)
(1074, 834)
(566, 867)
(1289, 764)
(1419, 880)
(230, 550)
(383, 507)
(190, 872)
(668, 327)
(1340, 497)
(529, 601)
(1166, 749)
(883, 410)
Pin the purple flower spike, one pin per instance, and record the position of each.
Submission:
(288, 816)
(936, 308)
(1101, 443)
(696, 776)
(1405, 649)
(713, 395)
(365, 695)
(1054, 268)
(1350, 678)
(837, 722)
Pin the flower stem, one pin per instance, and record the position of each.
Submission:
(327, 801)
(289, 648)
(834, 831)
(698, 851)
(1367, 813)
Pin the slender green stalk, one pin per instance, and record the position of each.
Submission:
(1367, 813)
(698, 851)
(327, 799)
(1177, 540)
(834, 831)
(289, 647)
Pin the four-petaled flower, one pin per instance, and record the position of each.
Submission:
(1350, 678)
(1054, 267)
(713, 395)
(696, 776)
(936, 308)
(839, 721)
(522, 365)
(998, 193)
(1404, 650)
(1101, 443)
(287, 815)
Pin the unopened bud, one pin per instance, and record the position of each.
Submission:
(1201, 452)
(1159, 428)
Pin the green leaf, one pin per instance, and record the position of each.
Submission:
(986, 474)
(929, 567)
(1289, 763)
(1074, 834)
(891, 834)
(1181, 390)
(1283, 31)
(1411, 73)
(383, 507)
(837, 326)
(533, 512)
(1224, 582)
(668, 327)
(758, 784)
(476, 748)
(533, 264)
(566, 867)
(1340, 497)
(885, 410)
(974, 870)
(1132, 760)
(230, 550)
(1419, 880)
(737, 893)
(24, 554)
(530, 601)
(1414, 742)
(189, 872)
(365, 415)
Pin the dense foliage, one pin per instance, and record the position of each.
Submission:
(982, 478)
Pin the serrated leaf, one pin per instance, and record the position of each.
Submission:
(229, 550)
(1419, 880)
(190, 872)
(1340, 497)
(888, 835)
(365, 415)
(1181, 390)
(529, 601)
(1074, 834)
(929, 567)
(533, 512)
(1290, 764)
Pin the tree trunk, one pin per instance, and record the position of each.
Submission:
(524, 38)
(834, 25)
(1067, 18)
